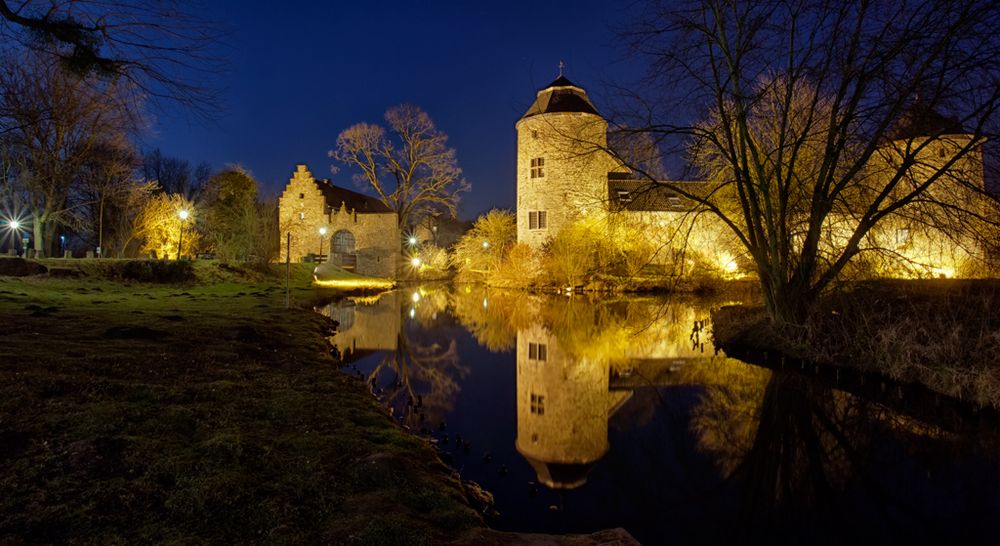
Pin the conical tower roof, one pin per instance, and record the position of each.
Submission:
(561, 95)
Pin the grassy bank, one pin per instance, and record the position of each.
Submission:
(198, 413)
(944, 334)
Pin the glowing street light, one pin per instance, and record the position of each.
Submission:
(412, 240)
(486, 244)
(14, 225)
(322, 234)
(180, 242)
(415, 262)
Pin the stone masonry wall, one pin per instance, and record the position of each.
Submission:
(575, 171)
(302, 211)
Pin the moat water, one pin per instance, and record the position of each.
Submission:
(586, 413)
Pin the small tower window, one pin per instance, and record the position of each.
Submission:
(537, 219)
(302, 196)
(537, 404)
(537, 167)
(302, 216)
(538, 351)
(534, 134)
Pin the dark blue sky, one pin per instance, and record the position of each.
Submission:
(300, 72)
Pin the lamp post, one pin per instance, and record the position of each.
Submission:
(322, 234)
(180, 242)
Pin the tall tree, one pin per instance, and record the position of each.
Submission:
(230, 214)
(410, 166)
(817, 119)
(56, 124)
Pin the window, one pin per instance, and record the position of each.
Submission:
(302, 196)
(302, 216)
(537, 219)
(537, 167)
(537, 404)
(674, 201)
(940, 152)
(538, 351)
(534, 134)
(624, 197)
(902, 236)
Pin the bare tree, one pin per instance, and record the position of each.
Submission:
(160, 47)
(411, 168)
(105, 188)
(58, 124)
(816, 120)
(175, 175)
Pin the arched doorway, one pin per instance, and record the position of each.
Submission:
(343, 252)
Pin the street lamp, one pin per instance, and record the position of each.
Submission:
(486, 244)
(322, 234)
(180, 242)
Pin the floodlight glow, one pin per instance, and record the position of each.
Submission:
(183, 214)
(322, 231)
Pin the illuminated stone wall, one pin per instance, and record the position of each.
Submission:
(302, 211)
(575, 181)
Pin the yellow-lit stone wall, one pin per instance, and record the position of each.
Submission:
(575, 171)
(302, 211)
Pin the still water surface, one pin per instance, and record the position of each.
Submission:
(581, 414)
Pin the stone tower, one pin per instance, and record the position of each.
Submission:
(562, 170)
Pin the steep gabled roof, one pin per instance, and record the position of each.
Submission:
(359, 202)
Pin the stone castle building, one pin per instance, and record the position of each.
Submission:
(351, 230)
(564, 174)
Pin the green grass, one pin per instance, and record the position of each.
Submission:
(198, 413)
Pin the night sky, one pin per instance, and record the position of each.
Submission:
(300, 72)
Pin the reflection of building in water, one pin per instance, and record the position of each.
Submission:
(365, 327)
(563, 405)
(578, 363)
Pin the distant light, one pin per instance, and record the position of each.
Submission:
(486, 244)
(485, 303)
(322, 231)
(415, 262)
(412, 240)
(413, 312)
(416, 297)
(183, 214)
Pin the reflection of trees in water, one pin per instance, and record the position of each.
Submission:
(795, 446)
(425, 367)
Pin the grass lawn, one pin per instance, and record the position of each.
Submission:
(199, 413)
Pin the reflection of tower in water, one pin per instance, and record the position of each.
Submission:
(563, 405)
